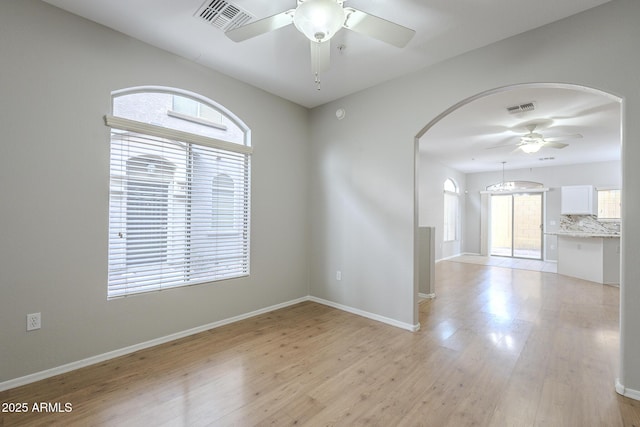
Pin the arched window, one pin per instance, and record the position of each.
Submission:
(450, 186)
(179, 195)
(451, 211)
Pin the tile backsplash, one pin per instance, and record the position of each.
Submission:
(588, 224)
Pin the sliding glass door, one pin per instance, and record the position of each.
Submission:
(516, 225)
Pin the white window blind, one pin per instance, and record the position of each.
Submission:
(178, 208)
(450, 211)
(450, 217)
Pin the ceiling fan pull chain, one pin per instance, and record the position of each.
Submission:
(317, 81)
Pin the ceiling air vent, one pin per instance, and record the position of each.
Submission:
(529, 106)
(222, 14)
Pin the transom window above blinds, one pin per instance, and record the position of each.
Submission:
(179, 195)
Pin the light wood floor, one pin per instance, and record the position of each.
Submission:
(498, 347)
(508, 262)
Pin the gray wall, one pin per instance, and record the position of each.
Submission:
(602, 174)
(362, 208)
(56, 75)
(362, 181)
(431, 177)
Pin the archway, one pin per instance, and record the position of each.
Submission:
(421, 136)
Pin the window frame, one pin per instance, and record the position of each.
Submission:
(122, 127)
(199, 118)
(619, 208)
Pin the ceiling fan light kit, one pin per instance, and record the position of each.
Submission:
(531, 147)
(532, 142)
(319, 20)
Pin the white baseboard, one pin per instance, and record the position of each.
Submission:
(627, 392)
(446, 258)
(455, 256)
(368, 315)
(426, 296)
(48, 373)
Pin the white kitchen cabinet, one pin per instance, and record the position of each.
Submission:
(577, 200)
(596, 259)
(611, 261)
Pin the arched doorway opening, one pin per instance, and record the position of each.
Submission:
(497, 140)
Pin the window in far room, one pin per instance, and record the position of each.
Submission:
(179, 194)
(451, 202)
(609, 204)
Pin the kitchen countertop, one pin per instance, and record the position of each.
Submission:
(582, 234)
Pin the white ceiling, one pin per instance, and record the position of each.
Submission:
(464, 139)
(279, 63)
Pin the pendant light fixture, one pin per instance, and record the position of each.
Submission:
(511, 186)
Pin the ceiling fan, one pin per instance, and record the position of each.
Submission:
(533, 141)
(319, 21)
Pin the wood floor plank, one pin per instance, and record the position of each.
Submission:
(497, 347)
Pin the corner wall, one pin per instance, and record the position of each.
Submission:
(57, 74)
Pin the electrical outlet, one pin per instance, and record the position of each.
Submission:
(338, 275)
(33, 321)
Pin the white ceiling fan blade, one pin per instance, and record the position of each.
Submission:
(377, 28)
(499, 146)
(261, 26)
(320, 56)
(555, 144)
(501, 143)
(562, 138)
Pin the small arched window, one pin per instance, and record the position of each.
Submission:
(179, 197)
(451, 211)
(450, 186)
